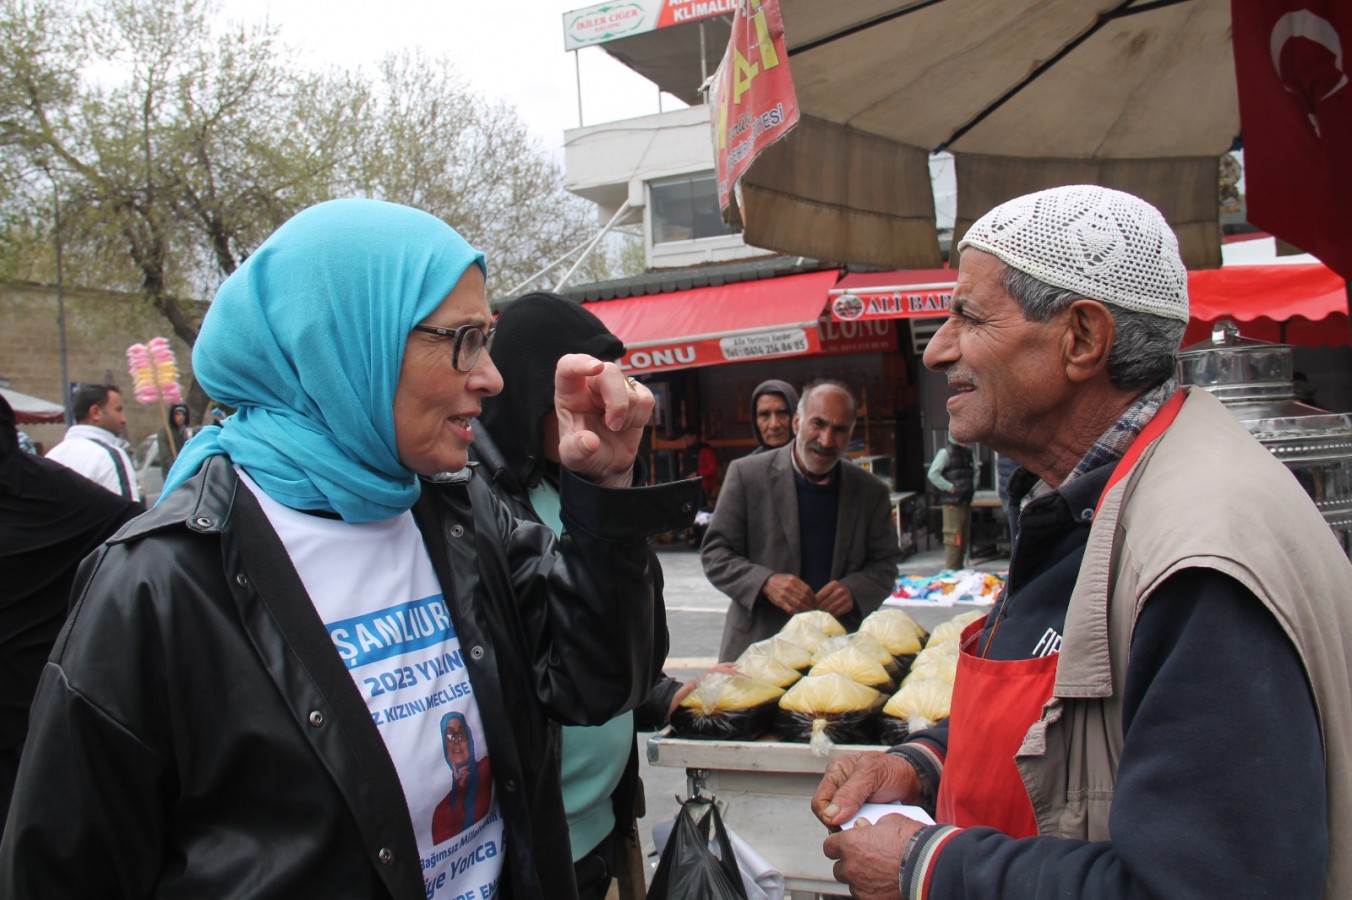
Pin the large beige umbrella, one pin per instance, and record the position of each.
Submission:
(1026, 94)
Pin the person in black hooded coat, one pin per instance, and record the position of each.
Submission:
(50, 519)
(515, 445)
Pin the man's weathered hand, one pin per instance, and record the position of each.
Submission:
(852, 781)
(601, 419)
(835, 598)
(868, 857)
(790, 593)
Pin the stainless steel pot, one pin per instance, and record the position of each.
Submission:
(1254, 381)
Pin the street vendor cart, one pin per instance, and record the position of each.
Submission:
(767, 787)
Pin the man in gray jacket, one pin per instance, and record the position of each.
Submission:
(801, 528)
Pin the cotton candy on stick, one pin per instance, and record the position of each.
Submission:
(142, 373)
(154, 375)
(166, 370)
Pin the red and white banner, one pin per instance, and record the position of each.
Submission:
(828, 339)
(716, 350)
(752, 100)
(1292, 68)
(616, 19)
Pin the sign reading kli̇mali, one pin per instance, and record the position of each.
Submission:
(752, 97)
(615, 19)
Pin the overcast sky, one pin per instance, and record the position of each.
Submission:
(508, 50)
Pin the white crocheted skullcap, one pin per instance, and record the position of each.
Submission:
(1105, 244)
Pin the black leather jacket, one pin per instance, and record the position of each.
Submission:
(196, 735)
(649, 715)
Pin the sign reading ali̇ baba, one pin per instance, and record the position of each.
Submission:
(621, 18)
(912, 301)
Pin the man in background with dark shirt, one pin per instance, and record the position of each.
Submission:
(801, 528)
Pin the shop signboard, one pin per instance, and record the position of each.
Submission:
(603, 22)
(715, 350)
(752, 99)
(911, 301)
(860, 336)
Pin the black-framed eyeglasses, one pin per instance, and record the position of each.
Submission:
(467, 342)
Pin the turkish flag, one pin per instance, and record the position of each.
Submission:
(1292, 64)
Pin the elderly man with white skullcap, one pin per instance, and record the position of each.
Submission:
(1159, 705)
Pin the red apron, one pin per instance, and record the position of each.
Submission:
(995, 702)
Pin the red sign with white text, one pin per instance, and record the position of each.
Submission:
(752, 98)
(676, 12)
(912, 301)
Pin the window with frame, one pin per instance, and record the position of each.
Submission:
(686, 209)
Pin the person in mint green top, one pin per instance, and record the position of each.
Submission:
(516, 449)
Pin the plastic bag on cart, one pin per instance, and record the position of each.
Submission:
(699, 858)
(760, 880)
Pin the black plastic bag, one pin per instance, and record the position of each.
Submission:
(688, 869)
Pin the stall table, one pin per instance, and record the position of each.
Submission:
(766, 787)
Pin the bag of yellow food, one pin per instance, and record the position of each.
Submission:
(822, 710)
(729, 707)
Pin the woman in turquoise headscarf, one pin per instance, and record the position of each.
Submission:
(247, 699)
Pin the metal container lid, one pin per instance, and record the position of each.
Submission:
(1254, 380)
(1237, 369)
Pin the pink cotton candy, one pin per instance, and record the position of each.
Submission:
(154, 372)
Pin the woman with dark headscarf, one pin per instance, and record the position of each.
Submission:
(50, 519)
(773, 405)
(519, 449)
(248, 696)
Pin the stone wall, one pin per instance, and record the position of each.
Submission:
(99, 328)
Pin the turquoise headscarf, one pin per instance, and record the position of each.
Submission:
(306, 340)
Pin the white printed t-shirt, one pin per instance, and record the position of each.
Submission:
(375, 590)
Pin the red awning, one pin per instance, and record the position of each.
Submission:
(1294, 303)
(911, 294)
(30, 410)
(748, 320)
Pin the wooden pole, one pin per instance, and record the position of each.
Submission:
(168, 428)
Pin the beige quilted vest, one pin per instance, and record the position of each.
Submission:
(1174, 512)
